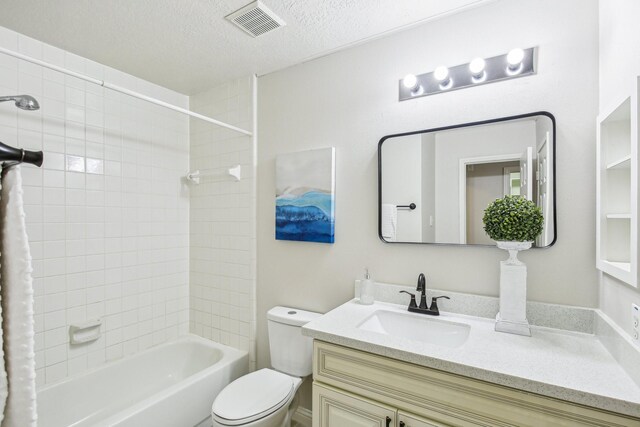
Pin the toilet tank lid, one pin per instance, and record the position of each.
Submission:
(291, 316)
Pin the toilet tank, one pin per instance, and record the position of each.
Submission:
(291, 352)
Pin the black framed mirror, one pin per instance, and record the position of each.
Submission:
(434, 184)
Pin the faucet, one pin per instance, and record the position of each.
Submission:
(422, 287)
(422, 308)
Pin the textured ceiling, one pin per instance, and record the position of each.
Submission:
(188, 46)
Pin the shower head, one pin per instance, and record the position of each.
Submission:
(24, 102)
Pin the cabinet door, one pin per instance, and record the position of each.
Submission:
(332, 408)
(407, 420)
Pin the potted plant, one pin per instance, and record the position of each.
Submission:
(514, 223)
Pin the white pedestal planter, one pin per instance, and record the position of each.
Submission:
(512, 317)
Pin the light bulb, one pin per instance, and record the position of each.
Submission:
(476, 67)
(441, 74)
(514, 59)
(410, 81)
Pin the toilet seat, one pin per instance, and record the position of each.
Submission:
(252, 397)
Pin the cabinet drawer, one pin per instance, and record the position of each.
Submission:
(447, 398)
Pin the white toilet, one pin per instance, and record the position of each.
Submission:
(266, 398)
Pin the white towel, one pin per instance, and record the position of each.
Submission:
(389, 222)
(17, 305)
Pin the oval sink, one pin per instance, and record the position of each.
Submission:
(412, 327)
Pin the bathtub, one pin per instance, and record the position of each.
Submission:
(170, 385)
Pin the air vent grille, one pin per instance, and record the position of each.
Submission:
(255, 19)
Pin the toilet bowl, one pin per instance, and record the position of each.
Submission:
(260, 399)
(267, 397)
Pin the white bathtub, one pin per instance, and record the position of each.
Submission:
(171, 385)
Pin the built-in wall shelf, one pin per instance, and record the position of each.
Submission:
(622, 266)
(617, 189)
(619, 216)
(622, 163)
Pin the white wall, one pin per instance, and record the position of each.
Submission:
(619, 66)
(222, 221)
(349, 99)
(106, 216)
(428, 207)
(402, 166)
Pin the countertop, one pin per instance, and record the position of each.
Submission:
(571, 366)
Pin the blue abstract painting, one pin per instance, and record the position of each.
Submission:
(305, 196)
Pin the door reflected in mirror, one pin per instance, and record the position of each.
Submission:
(435, 184)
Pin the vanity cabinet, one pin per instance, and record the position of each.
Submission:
(356, 388)
(339, 409)
(617, 190)
(410, 420)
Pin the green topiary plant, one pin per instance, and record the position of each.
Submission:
(513, 219)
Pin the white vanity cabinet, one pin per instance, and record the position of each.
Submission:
(410, 420)
(617, 190)
(340, 409)
(353, 388)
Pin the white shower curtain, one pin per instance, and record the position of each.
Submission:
(16, 290)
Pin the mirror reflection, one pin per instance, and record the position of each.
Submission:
(435, 184)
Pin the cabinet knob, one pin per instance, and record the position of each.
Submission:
(388, 421)
(402, 424)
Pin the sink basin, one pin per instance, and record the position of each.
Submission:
(425, 329)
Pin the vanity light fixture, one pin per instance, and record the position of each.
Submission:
(516, 63)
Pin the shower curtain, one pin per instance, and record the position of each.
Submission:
(17, 375)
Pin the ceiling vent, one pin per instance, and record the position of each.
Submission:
(255, 19)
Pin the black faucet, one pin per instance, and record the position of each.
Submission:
(422, 287)
(422, 308)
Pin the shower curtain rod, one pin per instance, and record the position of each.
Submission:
(122, 90)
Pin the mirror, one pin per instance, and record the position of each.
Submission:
(435, 184)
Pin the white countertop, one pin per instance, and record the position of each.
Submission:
(566, 365)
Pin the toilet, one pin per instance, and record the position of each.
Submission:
(266, 398)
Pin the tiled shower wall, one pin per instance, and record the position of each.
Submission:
(222, 219)
(107, 214)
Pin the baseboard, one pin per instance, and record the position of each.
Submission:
(303, 417)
